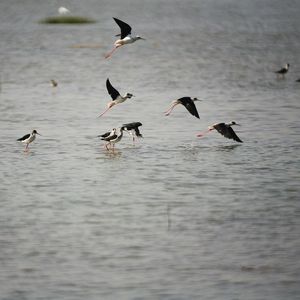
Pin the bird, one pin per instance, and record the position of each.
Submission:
(115, 95)
(283, 70)
(28, 138)
(107, 134)
(225, 130)
(63, 11)
(125, 37)
(53, 83)
(133, 129)
(188, 103)
(113, 138)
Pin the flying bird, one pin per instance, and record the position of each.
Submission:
(115, 95)
(125, 37)
(133, 129)
(188, 103)
(28, 138)
(225, 129)
(283, 71)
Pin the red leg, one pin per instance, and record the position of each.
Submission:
(203, 133)
(170, 109)
(104, 112)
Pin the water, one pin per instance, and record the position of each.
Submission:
(175, 216)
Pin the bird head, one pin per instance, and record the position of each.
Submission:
(196, 99)
(139, 38)
(35, 132)
(128, 95)
(234, 123)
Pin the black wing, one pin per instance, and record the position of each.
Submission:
(109, 138)
(190, 106)
(25, 137)
(137, 132)
(133, 125)
(227, 131)
(104, 135)
(125, 28)
(111, 90)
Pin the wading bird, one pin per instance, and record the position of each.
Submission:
(125, 37)
(283, 71)
(224, 129)
(113, 139)
(188, 103)
(63, 11)
(28, 138)
(53, 83)
(133, 129)
(115, 95)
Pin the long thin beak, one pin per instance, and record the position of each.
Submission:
(142, 39)
(38, 134)
(238, 124)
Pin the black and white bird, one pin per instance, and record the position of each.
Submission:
(283, 70)
(188, 103)
(225, 129)
(125, 37)
(113, 138)
(115, 95)
(107, 134)
(28, 138)
(133, 129)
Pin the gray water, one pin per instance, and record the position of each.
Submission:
(173, 216)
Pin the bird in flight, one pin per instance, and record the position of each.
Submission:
(224, 129)
(133, 129)
(188, 103)
(115, 95)
(125, 37)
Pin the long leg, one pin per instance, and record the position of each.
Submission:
(104, 112)
(26, 148)
(203, 133)
(109, 54)
(170, 109)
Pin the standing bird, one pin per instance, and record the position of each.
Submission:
(115, 95)
(63, 11)
(107, 134)
(28, 138)
(283, 71)
(114, 138)
(53, 83)
(125, 37)
(225, 130)
(133, 129)
(188, 103)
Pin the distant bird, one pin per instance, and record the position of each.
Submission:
(298, 80)
(188, 103)
(125, 37)
(53, 83)
(63, 11)
(113, 138)
(283, 71)
(28, 138)
(225, 130)
(133, 129)
(115, 95)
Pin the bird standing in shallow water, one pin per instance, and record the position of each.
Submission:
(113, 138)
(133, 129)
(225, 130)
(188, 103)
(125, 37)
(53, 83)
(283, 71)
(115, 95)
(28, 138)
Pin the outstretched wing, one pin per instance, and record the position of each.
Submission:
(125, 28)
(25, 137)
(227, 131)
(130, 126)
(111, 90)
(190, 106)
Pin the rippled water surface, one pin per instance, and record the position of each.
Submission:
(173, 216)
